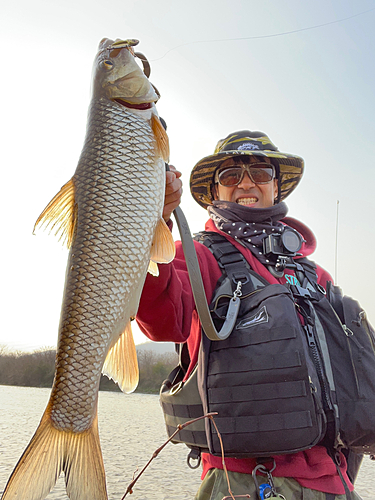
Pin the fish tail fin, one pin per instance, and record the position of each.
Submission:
(39, 467)
(51, 451)
(83, 467)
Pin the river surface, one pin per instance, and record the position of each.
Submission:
(131, 428)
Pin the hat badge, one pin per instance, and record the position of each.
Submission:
(248, 146)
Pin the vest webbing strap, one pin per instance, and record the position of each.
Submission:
(276, 422)
(231, 261)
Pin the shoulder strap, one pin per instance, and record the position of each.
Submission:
(231, 261)
(198, 288)
(335, 298)
(309, 269)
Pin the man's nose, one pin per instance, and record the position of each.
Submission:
(246, 182)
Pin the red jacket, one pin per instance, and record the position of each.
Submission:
(167, 313)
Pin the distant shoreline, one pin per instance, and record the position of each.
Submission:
(37, 369)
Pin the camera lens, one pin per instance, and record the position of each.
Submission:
(291, 240)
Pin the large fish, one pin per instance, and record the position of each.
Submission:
(110, 212)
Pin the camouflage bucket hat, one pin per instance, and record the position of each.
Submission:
(289, 168)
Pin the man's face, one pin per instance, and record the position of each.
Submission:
(247, 192)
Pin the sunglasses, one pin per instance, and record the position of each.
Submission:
(259, 173)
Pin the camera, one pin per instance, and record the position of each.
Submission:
(287, 243)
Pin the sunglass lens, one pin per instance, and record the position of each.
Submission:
(261, 175)
(230, 176)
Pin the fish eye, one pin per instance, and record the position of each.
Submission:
(108, 64)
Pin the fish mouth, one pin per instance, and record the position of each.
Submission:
(142, 105)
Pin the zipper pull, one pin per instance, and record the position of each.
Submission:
(310, 335)
(348, 331)
(361, 317)
(312, 386)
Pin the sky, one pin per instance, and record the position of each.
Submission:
(220, 66)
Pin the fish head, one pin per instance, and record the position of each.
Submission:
(117, 76)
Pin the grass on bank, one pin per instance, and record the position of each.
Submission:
(36, 369)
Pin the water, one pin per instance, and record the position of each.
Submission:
(131, 428)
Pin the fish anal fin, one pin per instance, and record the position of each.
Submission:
(61, 213)
(51, 451)
(153, 268)
(161, 137)
(163, 249)
(121, 363)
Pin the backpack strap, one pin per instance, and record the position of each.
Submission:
(335, 298)
(232, 263)
(308, 268)
(336, 460)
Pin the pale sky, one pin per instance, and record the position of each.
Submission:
(310, 91)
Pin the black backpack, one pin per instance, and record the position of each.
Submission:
(324, 391)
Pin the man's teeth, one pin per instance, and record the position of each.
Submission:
(247, 201)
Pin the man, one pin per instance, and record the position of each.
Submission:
(242, 186)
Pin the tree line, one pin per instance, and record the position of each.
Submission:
(36, 369)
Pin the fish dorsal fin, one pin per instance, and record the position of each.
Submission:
(153, 268)
(161, 137)
(162, 248)
(61, 212)
(121, 363)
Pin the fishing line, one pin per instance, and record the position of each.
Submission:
(265, 36)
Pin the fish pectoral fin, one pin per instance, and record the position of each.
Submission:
(121, 363)
(153, 268)
(61, 213)
(163, 249)
(161, 138)
(51, 451)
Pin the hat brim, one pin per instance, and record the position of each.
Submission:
(202, 176)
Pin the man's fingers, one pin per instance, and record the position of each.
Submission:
(172, 168)
(173, 184)
(173, 191)
(174, 195)
(171, 175)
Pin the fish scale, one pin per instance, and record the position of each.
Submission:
(93, 194)
(110, 214)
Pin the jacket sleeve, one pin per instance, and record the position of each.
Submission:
(167, 305)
